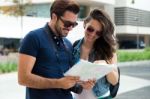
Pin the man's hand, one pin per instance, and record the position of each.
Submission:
(68, 81)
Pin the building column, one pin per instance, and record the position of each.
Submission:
(110, 10)
(147, 40)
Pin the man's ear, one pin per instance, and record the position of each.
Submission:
(54, 16)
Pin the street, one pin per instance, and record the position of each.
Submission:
(140, 72)
(135, 83)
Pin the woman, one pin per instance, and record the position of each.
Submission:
(97, 46)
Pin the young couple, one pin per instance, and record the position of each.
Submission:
(45, 54)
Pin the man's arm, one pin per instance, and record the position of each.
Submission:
(27, 78)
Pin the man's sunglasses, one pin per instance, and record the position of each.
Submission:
(68, 23)
(91, 29)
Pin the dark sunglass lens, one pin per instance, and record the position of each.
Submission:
(90, 29)
(67, 24)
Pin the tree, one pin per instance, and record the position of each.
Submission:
(17, 9)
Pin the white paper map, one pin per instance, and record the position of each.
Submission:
(87, 70)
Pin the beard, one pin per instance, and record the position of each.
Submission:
(58, 29)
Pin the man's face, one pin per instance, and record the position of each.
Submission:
(65, 23)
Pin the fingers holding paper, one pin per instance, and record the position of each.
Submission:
(88, 84)
(100, 62)
(68, 81)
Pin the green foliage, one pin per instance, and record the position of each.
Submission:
(123, 56)
(8, 63)
(8, 67)
(147, 49)
(133, 55)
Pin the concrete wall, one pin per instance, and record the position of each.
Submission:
(138, 4)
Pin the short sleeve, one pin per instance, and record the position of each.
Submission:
(29, 45)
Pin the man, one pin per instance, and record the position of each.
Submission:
(45, 54)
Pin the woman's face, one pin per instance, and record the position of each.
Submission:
(92, 30)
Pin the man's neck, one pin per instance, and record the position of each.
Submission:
(52, 26)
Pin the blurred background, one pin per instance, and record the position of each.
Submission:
(132, 24)
(131, 17)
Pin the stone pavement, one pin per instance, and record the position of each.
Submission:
(9, 88)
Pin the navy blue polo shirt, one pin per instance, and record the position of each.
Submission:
(52, 60)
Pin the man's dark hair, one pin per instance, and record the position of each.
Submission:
(60, 6)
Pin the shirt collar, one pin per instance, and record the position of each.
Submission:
(57, 39)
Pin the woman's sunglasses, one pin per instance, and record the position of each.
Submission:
(68, 23)
(91, 29)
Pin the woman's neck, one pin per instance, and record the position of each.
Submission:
(87, 45)
(85, 50)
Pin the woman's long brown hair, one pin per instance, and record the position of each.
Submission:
(105, 45)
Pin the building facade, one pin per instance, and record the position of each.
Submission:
(131, 18)
(36, 14)
(132, 21)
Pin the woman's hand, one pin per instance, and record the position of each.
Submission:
(100, 62)
(88, 84)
